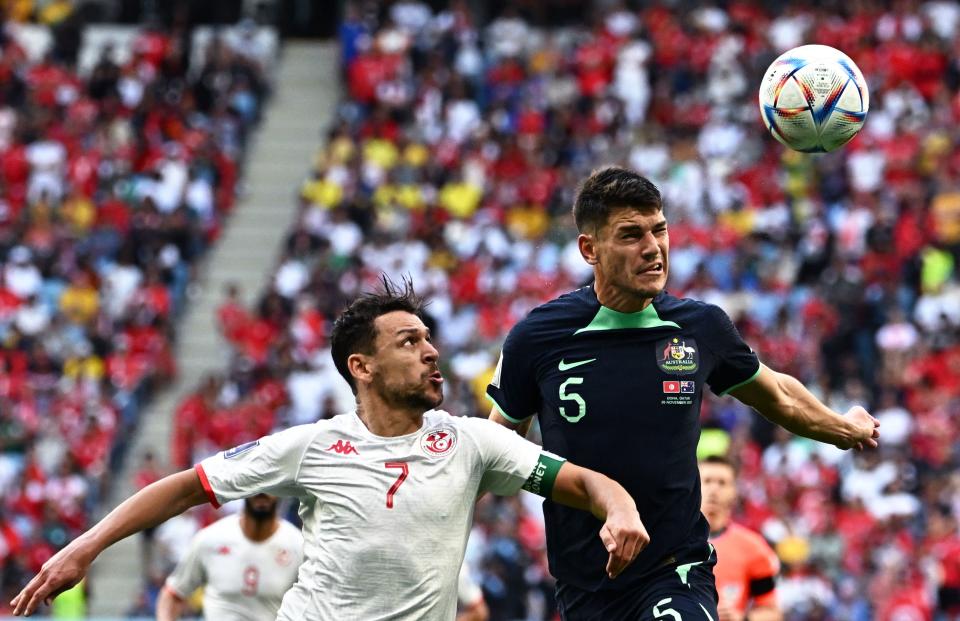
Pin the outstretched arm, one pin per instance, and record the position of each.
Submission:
(149, 507)
(783, 400)
(623, 534)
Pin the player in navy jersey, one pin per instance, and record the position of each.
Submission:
(616, 371)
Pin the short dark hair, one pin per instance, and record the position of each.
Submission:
(611, 188)
(355, 331)
(722, 460)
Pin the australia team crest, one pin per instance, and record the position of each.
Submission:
(678, 356)
(438, 442)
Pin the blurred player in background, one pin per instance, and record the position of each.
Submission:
(747, 567)
(470, 602)
(615, 371)
(245, 563)
(386, 492)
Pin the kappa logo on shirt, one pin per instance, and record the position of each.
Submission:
(439, 442)
(343, 448)
(223, 550)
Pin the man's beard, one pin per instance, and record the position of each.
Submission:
(413, 398)
(257, 512)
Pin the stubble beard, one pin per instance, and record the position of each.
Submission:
(407, 397)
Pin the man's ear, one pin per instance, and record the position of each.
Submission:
(361, 368)
(588, 248)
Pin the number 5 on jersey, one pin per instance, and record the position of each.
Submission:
(404, 470)
(568, 395)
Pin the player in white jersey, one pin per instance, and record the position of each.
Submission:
(386, 491)
(470, 602)
(245, 563)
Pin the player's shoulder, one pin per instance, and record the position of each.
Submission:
(571, 310)
(298, 433)
(676, 308)
(434, 419)
(339, 425)
(471, 428)
(695, 317)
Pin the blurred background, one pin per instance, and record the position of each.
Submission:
(191, 191)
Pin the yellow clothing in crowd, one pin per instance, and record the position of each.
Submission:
(382, 153)
(461, 199)
(409, 195)
(80, 303)
(528, 222)
(946, 217)
(91, 367)
(80, 213)
(322, 193)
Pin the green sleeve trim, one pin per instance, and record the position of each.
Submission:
(744, 382)
(513, 420)
(544, 475)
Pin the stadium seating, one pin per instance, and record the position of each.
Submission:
(113, 183)
(454, 160)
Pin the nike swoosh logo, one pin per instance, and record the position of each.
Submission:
(566, 366)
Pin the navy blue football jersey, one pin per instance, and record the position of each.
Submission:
(620, 393)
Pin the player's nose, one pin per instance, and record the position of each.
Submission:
(430, 353)
(650, 250)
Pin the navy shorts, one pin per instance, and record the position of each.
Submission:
(677, 592)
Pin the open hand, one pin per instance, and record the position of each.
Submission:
(624, 536)
(64, 570)
(867, 430)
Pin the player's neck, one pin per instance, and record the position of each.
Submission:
(616, 298)
(388, 421)
(258, 530)
(718, 524)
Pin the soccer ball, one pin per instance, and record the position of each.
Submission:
(813, 98)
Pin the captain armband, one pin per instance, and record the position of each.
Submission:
(544, 475)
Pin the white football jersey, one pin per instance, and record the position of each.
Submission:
(385, 519)
(244, 580)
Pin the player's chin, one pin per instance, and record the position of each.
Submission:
(649, 284)
(432, 395)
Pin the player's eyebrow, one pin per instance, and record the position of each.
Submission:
(414, 330)
(630, 228)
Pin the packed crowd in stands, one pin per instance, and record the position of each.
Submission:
(112, 185)
(454, 159)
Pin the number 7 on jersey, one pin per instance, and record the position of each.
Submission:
(402, 466)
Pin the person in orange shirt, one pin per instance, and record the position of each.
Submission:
(747, 567)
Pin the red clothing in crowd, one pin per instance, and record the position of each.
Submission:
(368, 71)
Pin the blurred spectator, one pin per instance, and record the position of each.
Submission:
(454, 158)
(111, 187)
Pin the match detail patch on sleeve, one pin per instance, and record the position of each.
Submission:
(241, 448)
